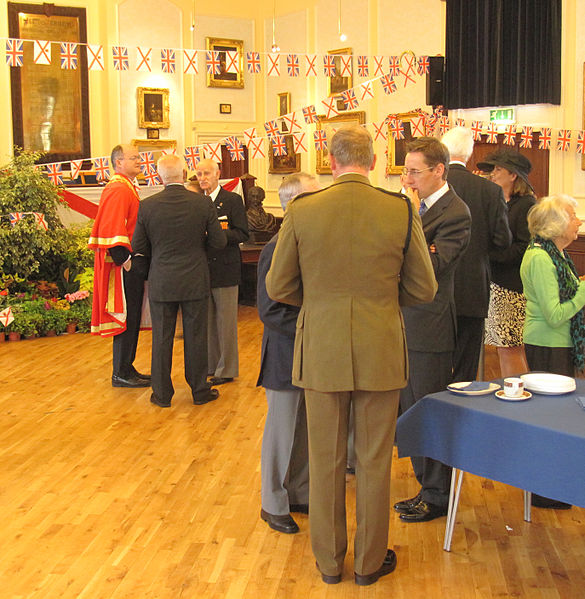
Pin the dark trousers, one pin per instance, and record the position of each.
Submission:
(557, 360)
(124, 344)
(429, 373)
(164, 319)
(467, 348)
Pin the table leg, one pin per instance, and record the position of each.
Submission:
(454, 493)
(527, 500)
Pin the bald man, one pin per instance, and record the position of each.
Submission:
(225, 271)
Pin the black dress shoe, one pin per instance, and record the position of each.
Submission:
(329, 578)
(551, 504)
(299, 508)
(131, 381)
(206, 397)
(405, 506)
(423, 512)
(284, 524)
(220, 380)
(388, 566)
(143, 377)
(161, 404)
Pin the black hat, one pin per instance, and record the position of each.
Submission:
(510, 160)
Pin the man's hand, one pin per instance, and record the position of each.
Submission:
(127, 265)
(413, 195)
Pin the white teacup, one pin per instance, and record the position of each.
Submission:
(513, 387)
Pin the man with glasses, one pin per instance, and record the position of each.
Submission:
(430, 328)
(118, 283)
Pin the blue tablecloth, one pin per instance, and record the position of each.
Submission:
(537, 445)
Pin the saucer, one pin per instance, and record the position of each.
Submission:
(501, 395)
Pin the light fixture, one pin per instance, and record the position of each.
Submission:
(275, 46)
(342, 36)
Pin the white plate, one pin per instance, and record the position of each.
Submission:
(457, 388)
(547, 383)
(501, 395)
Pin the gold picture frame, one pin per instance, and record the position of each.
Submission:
(289, 163)
(337, 83)
(153, 108)
(358, 117)
(397, 147)
(283, 107)
(225, 79)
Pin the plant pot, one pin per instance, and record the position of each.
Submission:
(71, 327)
(51, 333)
(13, 336)
(2, 336)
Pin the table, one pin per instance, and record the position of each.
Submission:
(537, 445)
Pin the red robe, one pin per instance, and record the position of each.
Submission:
(113, 226)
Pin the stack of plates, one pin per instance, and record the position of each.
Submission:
(548, 384)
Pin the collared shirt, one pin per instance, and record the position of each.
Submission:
(214, 193)
(436, 195)
(458, 162)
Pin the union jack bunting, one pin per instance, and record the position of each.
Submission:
(292, 65)
(510, 135)
(169, 151)
(68, 55)
(232, 61)
(345, 65)
(291, 121)
(14, 53)
(235, 148)
(366, 90)
(330, 107)
(299, 143)
(6, 316)
(101, 166)
(423, 65)
(544, 139)
(143, 58)
(394, 66)
(396, 128)
(444, 125)
(564, 139)
(41, 52)
(329, 65)
(53, 171)
(256, 146)
(95, 57)
(278, 144)
(380, 130)
(40, 221)
(310, 114)
(409, 73)
(253, 62)
(120, 58)
(152, 178)
(476, 129)
(320, 138)
(213, 152)
(417, 126)
(349, 99)
(459, 122)
(15, 217)
(167, 60)
(192, 156)
(213, 63)
(190, 65)
(378, 66)
(146, 162)
(388, 84)
(363, 66)
(249, 134)
(273, 65)
(526, 137)
(492, 133)
(272, 128)
(580, 141)
(311, 64)
(75, 168)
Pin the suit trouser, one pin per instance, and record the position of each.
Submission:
(467, 348)
(164, 318)
(285, 457)
(328, 422)
(429, 373)
(222, 346)
(125, 344)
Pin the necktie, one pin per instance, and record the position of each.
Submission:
(423, 208)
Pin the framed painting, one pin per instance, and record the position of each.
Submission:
(397, 147)
(337, 83)
(323, 166)
(50, 104)
(153, 108)
(226, 78)
(283, 108)
(289, 163)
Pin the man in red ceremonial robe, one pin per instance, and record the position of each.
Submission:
(118, 282)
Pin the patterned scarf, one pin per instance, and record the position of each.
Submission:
(568, 285)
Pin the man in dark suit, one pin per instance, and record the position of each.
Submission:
(226, 272)
(174, 228)
(431, 328)
(489, 231)
(285, 459)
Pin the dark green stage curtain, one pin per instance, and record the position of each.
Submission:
(502, 52)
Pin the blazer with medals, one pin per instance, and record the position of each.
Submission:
(341, 256)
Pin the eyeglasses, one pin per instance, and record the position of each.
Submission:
(414, 172)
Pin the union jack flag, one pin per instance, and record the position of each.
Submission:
(564, 139)
(190, 62)
(101, 166)
(253, 62)
(477, 128)
(146, 162)
(273, 64)
(363, 66)
(235, 148)
(396, 128)
(388, 84)
(330, 107)
(42, 52)
(75, 168)
(291, 121)
(14, 53)
(345, 62)
(349, 99)
(167, 60)
(299, 142)
(329, 65)
(120, 58)
(320, 138)
(459, 122)
(143, 59)
(378, 66)
(192, 156)
(526, 137)
(278, 144)
(40, 221)
(68, 55)
(492, 133)
(292, 65)
(544, 139)
(367, 91)
(53, 171)
(272, 129)
(256, 146)
(95, 57)
(152, 178)
(417, 126)
(510, 135)
(310, 114)
(580, 141)
(232, 61)
(213, 62)
(250, 134)
(311, 66)
(15, 217)
(394, 66)
(380, 130)
(423, 65)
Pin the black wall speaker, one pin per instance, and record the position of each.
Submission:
(436, 81)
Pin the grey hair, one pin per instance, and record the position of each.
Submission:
(170, 168)
(352, 146)
(292, 185)
(459, 142)
(117, 154)
(548, 218)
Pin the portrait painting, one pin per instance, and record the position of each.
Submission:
(225, 78)
(337, 83)
(397, 147)
(153, 108)
(323, 166)
(283, 108)
(289, 163)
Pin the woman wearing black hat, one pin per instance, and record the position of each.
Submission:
(507, 302)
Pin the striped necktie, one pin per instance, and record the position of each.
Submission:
(423, 208)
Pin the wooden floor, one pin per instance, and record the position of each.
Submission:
(103, 495)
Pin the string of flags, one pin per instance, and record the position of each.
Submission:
(39, 217)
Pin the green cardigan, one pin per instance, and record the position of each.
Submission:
(547, 320)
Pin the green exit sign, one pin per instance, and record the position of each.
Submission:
(503, 116)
